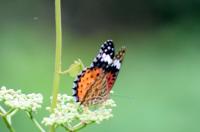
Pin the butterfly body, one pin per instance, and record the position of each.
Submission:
(93, 85)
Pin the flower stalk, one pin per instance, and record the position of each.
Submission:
(9, 126)
(10, 111)
(79, 126)
(4, 116)
(56, 81)
(37, 124)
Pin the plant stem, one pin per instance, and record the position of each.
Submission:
(56, 80)
(80, 126)
(10, 111)
(30, 115)
(2, 110)
(11, 129)
(13, 112)
(66, 128)
(4, 116)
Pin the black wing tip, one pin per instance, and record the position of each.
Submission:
(105, 55)
(110, 42)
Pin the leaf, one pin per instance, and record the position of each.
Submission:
(75, 68)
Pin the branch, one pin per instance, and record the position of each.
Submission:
(80, 126)
(10, 111)
(9, 126)
(2, 110)
(66, 128)
(30, 115)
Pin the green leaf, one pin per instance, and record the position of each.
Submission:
(75, 68)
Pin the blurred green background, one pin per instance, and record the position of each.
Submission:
(158, 88)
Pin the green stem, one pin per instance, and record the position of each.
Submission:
(66, 128)
(30, 115)
(2, 110)
(80, 126)
(10, 111)
(13, 112)
(10, 128)
(56, 80)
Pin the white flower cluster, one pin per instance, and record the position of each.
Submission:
(18, 100)
(69, 111)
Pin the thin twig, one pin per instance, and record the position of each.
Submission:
(10, 111)
(80, 126)
(2, 110)
(30, 115)
(13, 112)
(9, 126)
(66, 128)
(5, 119)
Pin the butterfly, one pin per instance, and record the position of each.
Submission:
(93, 84)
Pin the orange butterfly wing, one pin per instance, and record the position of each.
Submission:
(88, 77)
(97, 93)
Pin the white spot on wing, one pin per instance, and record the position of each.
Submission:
(76, 99)
(106, 58)
(110, 40)
(74, 85)
(101, 51)
(117, 64)
(92, 65)
(76, 79)
(99, 56)
(74, 92)
(95, 60)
